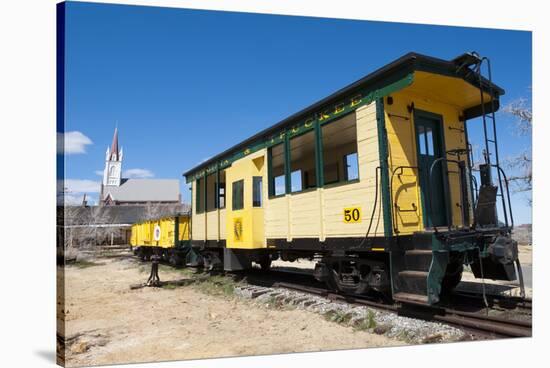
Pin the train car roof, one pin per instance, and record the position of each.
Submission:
(399, 68)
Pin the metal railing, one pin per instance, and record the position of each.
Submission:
(395, 206)
(430, 208)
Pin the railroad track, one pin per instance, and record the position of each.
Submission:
(478, 323)
(500, 300)
(473, 322)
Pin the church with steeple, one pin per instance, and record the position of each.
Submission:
(116, 190)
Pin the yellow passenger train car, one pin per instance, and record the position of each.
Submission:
(375, 182)
(168, 237)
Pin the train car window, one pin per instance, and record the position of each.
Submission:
(279, 185)
(430, 141)
(351, 166)
(339, 140)
(221, 197)
(257, 191)
(238, 195)
(199, 195)
(296, 181)
(211, 192)
(277, 171)
(422, 140)
(302, 162)
(221, 191)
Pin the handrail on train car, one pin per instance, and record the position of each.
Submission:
(508, 197)
(394, 215)
(430, 179)
(473, 180)
(376, 189)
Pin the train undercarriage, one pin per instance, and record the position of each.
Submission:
(420, 268)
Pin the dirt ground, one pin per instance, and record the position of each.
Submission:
(108, 323)
(526, 254)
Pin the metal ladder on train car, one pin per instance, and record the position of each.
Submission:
(486, 188)
(487, 195)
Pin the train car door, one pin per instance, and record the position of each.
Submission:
(430, 147)
(245, 207)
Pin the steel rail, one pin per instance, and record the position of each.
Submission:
(472, 321)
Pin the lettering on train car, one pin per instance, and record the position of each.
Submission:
(352, 215)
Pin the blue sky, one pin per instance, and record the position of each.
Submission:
(183, 85)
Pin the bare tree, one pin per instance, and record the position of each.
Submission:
(523, 113)
(521, 163)
(155, 210)
(82, 225)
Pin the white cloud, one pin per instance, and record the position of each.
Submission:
(73, 142)
(137, 173)
(99, 172)
(79, 186)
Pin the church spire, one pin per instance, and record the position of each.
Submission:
(114, 146)
(113, 163)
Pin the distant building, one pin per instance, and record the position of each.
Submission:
(116, 190)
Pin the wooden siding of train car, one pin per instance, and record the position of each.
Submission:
(167, 232)
(207, 225)
(148, 233)
(138, 234)
(142, 233)
(441, 95)
(183, 227)
(145, 233)
(198, 224)
(134, 235)
(251, 218)
(319, 213)
(137, 228)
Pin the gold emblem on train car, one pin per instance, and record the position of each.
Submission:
(238, 229)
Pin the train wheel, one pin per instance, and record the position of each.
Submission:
(347, 278)
(173, 258)
(265, 264)
(141, 255)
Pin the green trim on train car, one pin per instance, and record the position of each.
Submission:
(440, 260)
(319, 172)
(418, 115)
(205, 197)
(270, 181)
(288, 183)
(384, 167)
(323, 116)
(198, 199)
